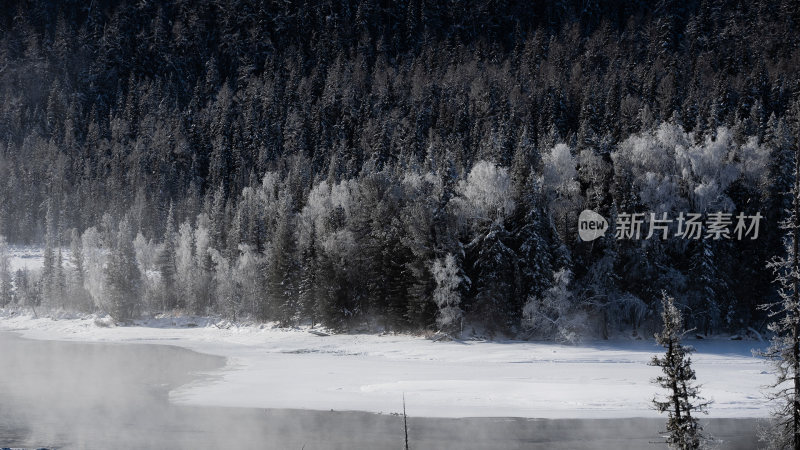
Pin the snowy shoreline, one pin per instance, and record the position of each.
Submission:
(269, 367)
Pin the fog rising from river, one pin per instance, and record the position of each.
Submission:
(98, 395)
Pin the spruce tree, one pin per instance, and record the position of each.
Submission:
(784, 350)
(78, 294)
(122, 276)
(49, 264)
(76, 256)
(6, 285)
(327, 309)
(165, 261)
(305, 290)
(682, 400)
(706, 284)
(283, 269)
(494, 269)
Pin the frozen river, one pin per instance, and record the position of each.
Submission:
(106, 395)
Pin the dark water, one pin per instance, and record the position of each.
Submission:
(103, 396)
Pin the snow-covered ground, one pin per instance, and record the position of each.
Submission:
(278, 368)
(27, 257)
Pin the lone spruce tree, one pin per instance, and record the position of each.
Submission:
(682, 399)
(784, 349)
(123, 279)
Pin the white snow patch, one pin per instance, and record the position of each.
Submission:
(26, 257)
(270, 367)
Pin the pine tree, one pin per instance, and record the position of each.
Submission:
(78, 294)
(6, 287)
(494, 271)
(76, 255)
(228, 300)
(49, 264)
(204, 286)
(682, 399)
(706, 283)
(308, 280)
(784, 350)
(780, 141)
(385, 274)
(59, 285)
(186, 269)
(602, 285)
(532, 235)
(216, 216)
(282, 270)
(27, 293)
(122, 276)
(328, 307)
(165, 262)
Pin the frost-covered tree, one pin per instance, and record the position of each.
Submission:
(77, 292)
(682, 401)
(308, 279)
(95, 256)
(645, 168)
(282, 267)
(165, 262)
(76, 256)
(533, 237)
(248, 275)
(53, 280)
(601, 290)
(203, 287)
(554, 314)
(49, 260)
(594, 173)
(122, 276)
(708, 169)
(330, 307)
(486, 194)
(493, 268)
(446, 294)
(706, 287)
(560, 182)
(485, 201)
(780, 142)
(146, 251)
(185, 263)
(6, 286)
(784, 350)
(429, 227)
(26, 289)
(227, 293)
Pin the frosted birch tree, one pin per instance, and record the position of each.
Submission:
(446, 293)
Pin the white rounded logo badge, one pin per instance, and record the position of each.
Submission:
(591, 225)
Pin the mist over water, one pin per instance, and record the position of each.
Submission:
(101, 395)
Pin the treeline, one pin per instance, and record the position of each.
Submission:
(408, 249)
(209, 136)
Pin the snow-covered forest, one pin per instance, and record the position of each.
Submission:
(395, 166)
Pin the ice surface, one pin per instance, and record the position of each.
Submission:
(270, 367)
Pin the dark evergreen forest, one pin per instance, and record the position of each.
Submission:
(412, 165)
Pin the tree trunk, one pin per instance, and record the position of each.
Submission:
(676, 400)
